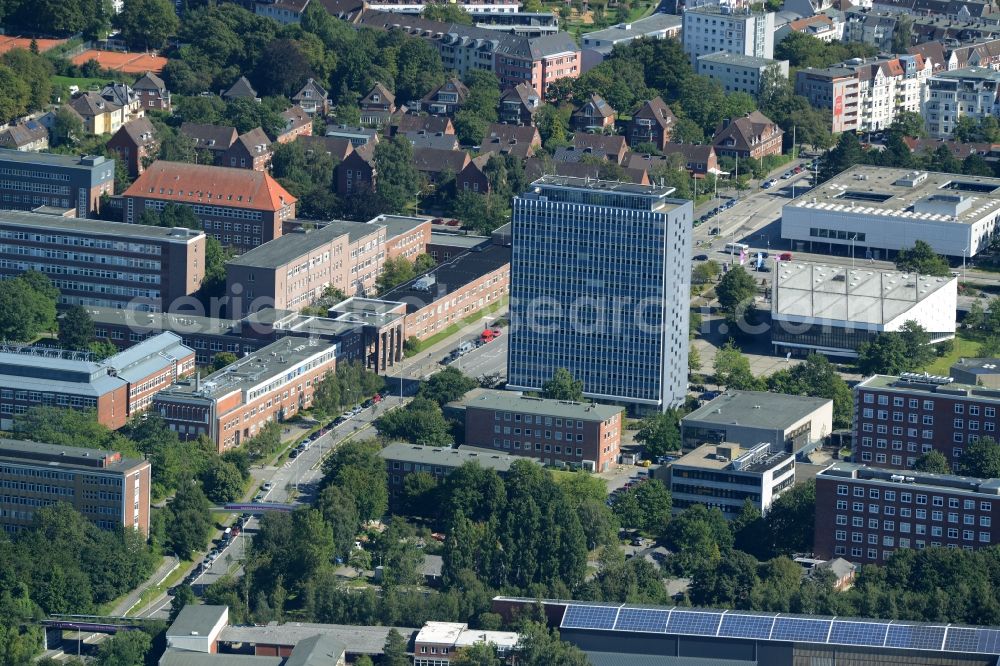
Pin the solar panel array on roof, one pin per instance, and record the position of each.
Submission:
(779, 627)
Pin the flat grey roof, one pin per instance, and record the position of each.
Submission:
(603, 185)
(926, 384)
(165, 321)
(356, 639)
(978, 366)
(450, 276)
(175, 657)
(289, 247)
(627, 659)
(397, 225)
(52, 159)
(120, 230)
(457, 240)
(738, 59)
(983, 73)
(899, 193)
(706, 456)
(195, 617)
(358, 305)
(256, 367)
(756, 409)
(516, 402)
(428, 455)
(839, 293)
(909, 478)
(65, 457)
(639, 27)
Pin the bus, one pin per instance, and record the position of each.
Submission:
(736, 247)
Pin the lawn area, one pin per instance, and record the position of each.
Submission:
(963, 348)
(451, 330)
(64, 82)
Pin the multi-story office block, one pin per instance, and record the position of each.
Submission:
(736, 72)
(896, 419)
(732, 26)
(970, 92)
(833, 88)
(241, 208)
(30, 180)
(115, 388)
(107, 489)
(292, 271)
(725, 476)
(560, 432)
(865, 514)
(107, 264)
(230, 406)
(600, 286)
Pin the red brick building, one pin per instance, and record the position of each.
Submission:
(230, 406)
(864, 514)
(241, 208)
(896, 419)
(652, 123)
(557, 432)
(115, 388)
(134, 142)
(251, 150)
(109, 490)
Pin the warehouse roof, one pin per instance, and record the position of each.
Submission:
(356, 639)
(76, 225)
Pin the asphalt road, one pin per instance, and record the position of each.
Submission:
(490, 359)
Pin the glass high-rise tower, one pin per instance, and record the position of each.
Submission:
(600, 285)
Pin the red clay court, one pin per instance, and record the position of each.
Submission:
(8, 43)
(127, 63)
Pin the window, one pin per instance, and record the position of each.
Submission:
(841, 489)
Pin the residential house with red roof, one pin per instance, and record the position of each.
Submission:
(377, 106)
(242, 208)
(518, 140)
(698, 159)
(446, 99)
(652, 123)
(519, 104)
(213, 139)
(754, 135)
(135, 142)
(152, 92)
(251, 150)
(594, 115)
(297, 123)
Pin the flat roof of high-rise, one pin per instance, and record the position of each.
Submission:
(908, 478)
(88, 227)
(516, 402)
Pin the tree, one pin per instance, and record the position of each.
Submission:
(146, 24)
(27, 306)
(817, 378)
(126, 648)
(420, 422)
(735, 290)
(15, 94)
(563, 386)
(447, 386)
(655, 503)
(224, 482)
(917, 341)
(981, 459)
(397, 178)
(933, 462)
(732, 369)
(447, 13)
(188, 520)
(76, 328)
(728, 584)
(282, 69)
(922, 259)
(698, 536)
(183, 596)
(975, 317)
(705, 272)
(36, 71)
(223, 359)
(394, 652)
(902, 34)
(540, 646)
(660, 433)
(884, 354)
(478, 654)
(67, 127)
(791, 518)
(359, 471)
(483, 213)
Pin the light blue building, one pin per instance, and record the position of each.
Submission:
(600, 285)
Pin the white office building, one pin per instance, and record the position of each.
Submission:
(968, 92)
(600, 286)
(834, 309)
(725, 476)
(739, 73)
(876, 211)
(733, 27)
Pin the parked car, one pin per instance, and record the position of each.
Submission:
(700, 257)
(786, 175)
(785, 256)
(267, 486)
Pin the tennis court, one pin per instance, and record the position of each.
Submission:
(8, 43)
(127, 63)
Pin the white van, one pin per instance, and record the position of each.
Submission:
(736, 247)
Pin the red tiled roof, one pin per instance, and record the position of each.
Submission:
(203, 184)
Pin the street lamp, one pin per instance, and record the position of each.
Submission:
(854, 237)
(964, 251)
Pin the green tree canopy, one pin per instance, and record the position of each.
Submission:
(660, 433)
(932, 461)
(981, 459)
(922, 259)
(447, 385)
(76, 328)
(146, 24)
(563, 386)
(817, 378)
(420, 422)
